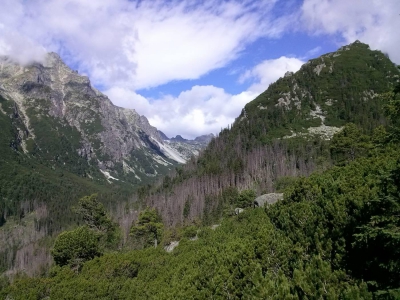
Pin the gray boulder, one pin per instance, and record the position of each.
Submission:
(169, 248)
(268, 198)
(238, 210)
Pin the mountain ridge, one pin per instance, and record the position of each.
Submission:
(109, 135)
(283, 133)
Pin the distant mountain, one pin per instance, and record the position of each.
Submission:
(178, 138)
(284, 132)
(206, 138)
(188, 148)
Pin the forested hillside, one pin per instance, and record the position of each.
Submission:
(327, 136)
(283, 133)
(334, 236)
(62, 139)
(37, 193)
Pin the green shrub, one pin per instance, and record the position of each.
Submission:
(75, 246)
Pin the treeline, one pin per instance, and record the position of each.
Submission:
(201, 182)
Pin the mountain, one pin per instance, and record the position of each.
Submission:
(55, 103)
(163, 136)
(62, 139)
(178, 138)
(206, 138)
(285, 132)
(188, 148)
(334, 234)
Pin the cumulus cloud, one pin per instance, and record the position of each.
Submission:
(269, 71)
(370, 21)
(204, 109)
(125, 46)
(20, 48)
(200, 110)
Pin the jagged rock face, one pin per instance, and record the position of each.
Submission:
(118, 140)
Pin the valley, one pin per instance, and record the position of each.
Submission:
(95, 193)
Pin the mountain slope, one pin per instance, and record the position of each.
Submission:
(332, 237)
(282, 133)
(66, 121)
(189, 148)
(61, 139)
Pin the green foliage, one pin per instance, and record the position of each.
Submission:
(246, 199)
(186, 208)
(75, 247)
(349, 143)
(284, 182)
(380, 233)
(96, 218)
(189, 232)
(148, 229)
(392, 110)
(94, 214)
(244, 258)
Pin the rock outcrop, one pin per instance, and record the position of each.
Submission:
(268, 199)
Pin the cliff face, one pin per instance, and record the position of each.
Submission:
(56, 104)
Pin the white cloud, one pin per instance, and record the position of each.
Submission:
(125, 46)
(142, 44)
(203, 109)
(22, 49)
(269, 71)
(175, 44)
(127, 98)
(200, 110)
(370, 21)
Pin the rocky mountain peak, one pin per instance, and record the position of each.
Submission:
(120, 142)
(178, 138)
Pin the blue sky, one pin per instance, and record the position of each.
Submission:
(290, 45)
(191, 66)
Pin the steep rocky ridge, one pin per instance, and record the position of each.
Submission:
(50, 99)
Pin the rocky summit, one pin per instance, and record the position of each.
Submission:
(65, 121)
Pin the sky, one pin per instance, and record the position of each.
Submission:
(191, 66)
